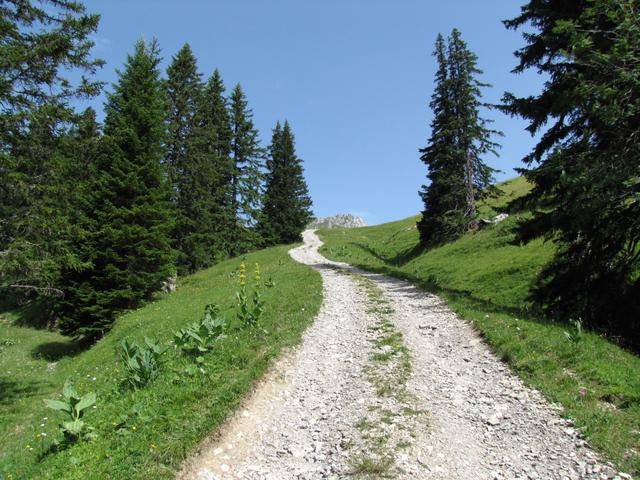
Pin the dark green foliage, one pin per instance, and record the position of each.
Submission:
(39, 43)
(444, 197)
(184, 89)
(207, 218)
(129, 217)
(246, 178)
(287, 205)
(459, 139)
(217, 134)
(585, 169)
(193, 160)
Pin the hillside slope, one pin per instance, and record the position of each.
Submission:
(485, 278)
(148, 432)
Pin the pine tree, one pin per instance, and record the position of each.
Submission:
(473, 137)
(184, 88)
(444, 197)
(129, 248)
(287, 205)
(459, 139)
(190, 176)
(40, 44)
(246, 179)
(213, 138)
(584, 169)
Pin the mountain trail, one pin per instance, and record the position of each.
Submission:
(389, 383)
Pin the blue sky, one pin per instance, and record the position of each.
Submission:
(353, 77)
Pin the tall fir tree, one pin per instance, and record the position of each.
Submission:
(444, 197)
(184, 89)
(213, 138)
(192, 171)
(246, 178)
(129, 248)
(41, 43)
(585, 167)
(460, 138)
(471, 131)
(287, 205)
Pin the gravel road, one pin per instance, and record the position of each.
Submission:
(389, 383)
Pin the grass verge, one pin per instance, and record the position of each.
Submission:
(145, 433)
(387, 427)
(485, 278)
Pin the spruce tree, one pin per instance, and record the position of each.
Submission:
(184, 88)
(213, 146)
(472, 134)
(246, 178)
(584, 169)
(129, 248)
(444, 196)
(459, 140)
(190, 177)
(287, 205)
(41, 43)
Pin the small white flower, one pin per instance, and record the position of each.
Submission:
(45, 418)
(42, 424)
(93, 378)
(43, 434)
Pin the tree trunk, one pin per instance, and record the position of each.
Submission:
(471, 200)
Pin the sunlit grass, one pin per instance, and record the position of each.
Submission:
(148, 432)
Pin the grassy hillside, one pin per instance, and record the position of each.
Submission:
(145, 433)
(486, 278)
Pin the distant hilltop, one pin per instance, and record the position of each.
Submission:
(343, 220)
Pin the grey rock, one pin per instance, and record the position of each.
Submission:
(343, 220)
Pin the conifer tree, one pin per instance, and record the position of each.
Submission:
(444, 197)
(459, 139)
(246, 178)
(213, 138)
(40, 44)
(184, 88)
(129, 249)
(191, 176)
(287, 205)
(473, 137)
(584, 169)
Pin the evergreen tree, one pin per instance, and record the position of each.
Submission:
(585, 168)
(184, 88)
(246, 178)
(459, 139)
(287, 205)
(213, 138)
(473, 137)
(190, 173)
(129, 248)
(444, 197)
(40, 43)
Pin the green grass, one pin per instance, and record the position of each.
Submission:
(160, 424)
(486, 278)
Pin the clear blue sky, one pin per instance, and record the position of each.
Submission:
(353, 77)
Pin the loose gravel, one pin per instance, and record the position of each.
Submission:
(389, 383)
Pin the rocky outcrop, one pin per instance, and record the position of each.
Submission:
(344, 220)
